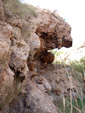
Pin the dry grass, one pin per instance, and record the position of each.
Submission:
(71, 105)
(78, 66)
(26, 13)
(23, 10)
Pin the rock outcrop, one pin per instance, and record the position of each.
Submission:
(53, 31)
(34, 100)
(23, 59)
(6, 74)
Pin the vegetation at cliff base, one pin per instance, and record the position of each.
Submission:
(78, 106)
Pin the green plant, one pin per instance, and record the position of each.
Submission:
(71, 105)
(78, 65)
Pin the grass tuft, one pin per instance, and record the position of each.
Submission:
(70, 104)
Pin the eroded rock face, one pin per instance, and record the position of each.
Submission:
(14, 20)
(1, 11)
(53, 31)
(46, 57)
(19, 54)
(36, 101)
(59, 82)
(34, 44)
(44, 84)
(14, 53)
(6, 74)
(22, 58)
(18, 58)
(5, 40)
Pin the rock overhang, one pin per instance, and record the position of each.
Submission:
(53, 33)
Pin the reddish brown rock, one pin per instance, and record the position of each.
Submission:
(35, 101)
(18, 57)
(5, 41)
(6, 74)
(32, 66)
(1, 11)
(47, 57)
(47, 31)
(57, 91)
(55, 32)
(58, 77)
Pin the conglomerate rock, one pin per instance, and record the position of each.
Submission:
(1, 11)
(6, 74)
(22, 58)
(53, 31)
(18, 58)
(35, 101)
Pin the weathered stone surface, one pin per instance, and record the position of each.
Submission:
(1, 11)
(12, 19)
(5, 42)
(18, 58)
(35, 101)
(47, 57)
(53, 30)
(58, 78)
(24, 57)
(6, 30)
(34, 43)
(6, 84)
(31, 65)
(6, 74)
(43, 82)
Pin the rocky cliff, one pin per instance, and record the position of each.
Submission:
(25, 64)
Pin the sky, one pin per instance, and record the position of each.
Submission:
(73, 11)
